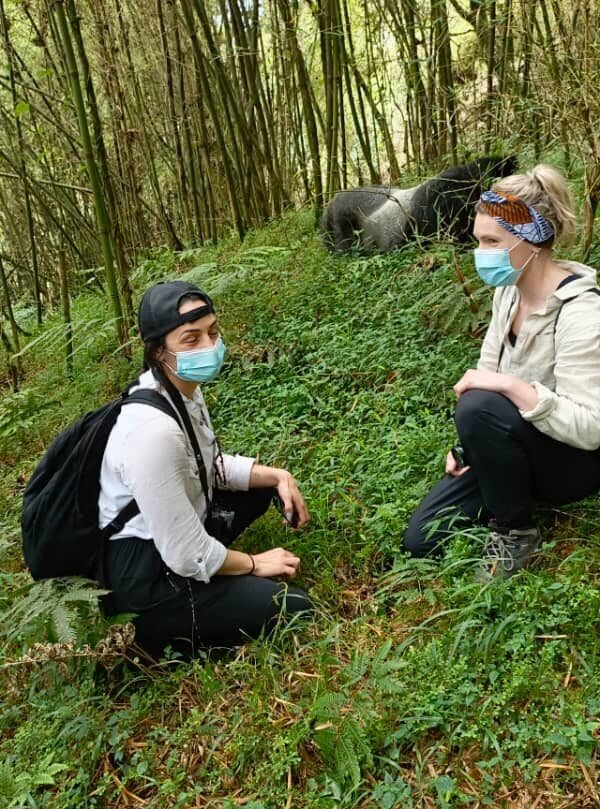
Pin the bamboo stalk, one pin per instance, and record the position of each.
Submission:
(92, 169)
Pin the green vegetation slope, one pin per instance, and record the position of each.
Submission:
(415, 686)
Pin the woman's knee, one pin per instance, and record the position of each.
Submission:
(452, 503)
(480, 412)
(289, 600)
(415, 541)
(252, 604)
(269, 607)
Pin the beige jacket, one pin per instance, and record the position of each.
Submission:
(563, 365)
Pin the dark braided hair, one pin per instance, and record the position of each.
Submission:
(151, 348)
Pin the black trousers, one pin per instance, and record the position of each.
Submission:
(514, 467)
(190, 615)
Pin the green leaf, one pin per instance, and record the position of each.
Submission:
(21, 108)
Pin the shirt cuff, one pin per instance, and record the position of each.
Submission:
(545, 404)
(209, 566)
(237, 472)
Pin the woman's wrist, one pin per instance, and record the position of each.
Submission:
(253, 563)
(522, 394)
(265, 476)
(238, 563)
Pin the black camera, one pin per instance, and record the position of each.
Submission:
(458, 454)
(219, 522)
(278, 503)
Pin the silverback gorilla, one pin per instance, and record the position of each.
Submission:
(379, 218)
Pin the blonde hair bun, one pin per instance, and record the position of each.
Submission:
(545, 189)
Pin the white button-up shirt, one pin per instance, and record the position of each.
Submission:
(150, 458)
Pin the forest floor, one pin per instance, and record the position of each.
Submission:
(414, 686)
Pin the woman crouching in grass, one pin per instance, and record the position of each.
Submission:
(171, 563)
(528, 417)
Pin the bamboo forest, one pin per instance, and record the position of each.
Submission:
(322, 195)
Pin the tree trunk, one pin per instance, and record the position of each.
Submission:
(446, 93)
(22, 165)
(308, 106)
(208, 97)
(104, 169)
(66, 309)
(14, 364)
(183, 193)
(104, 227)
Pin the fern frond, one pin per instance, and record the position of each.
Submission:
(347, 764)
(45, 769)
(63, 622)
(8, 783)
(328, 706)
(358, 667)
(53, 609)
(360, 740)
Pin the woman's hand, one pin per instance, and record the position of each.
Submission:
(276, 562)
(452, 468)
(521, 394)
(294, 507)
(481, 380)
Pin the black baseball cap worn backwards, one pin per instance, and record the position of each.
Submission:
(159, 308)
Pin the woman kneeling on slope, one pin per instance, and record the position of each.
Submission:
(528, 417)
(171, 564)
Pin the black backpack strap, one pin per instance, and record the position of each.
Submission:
(185, 416)
(152, 398)
(510, 308)
(595, 290)
(122, 518)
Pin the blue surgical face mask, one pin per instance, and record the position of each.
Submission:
(494, 268)
(200, 364)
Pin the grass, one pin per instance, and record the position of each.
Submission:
(414, 687)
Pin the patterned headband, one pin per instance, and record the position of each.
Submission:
(517, 217)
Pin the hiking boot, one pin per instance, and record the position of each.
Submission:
(506, 552)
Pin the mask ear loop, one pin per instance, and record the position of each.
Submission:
(164, 366)
(534, 254)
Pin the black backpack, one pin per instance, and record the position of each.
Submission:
(59, 523)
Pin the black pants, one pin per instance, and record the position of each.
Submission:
(514, 467)
(190, 615)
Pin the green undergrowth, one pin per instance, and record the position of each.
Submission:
(414, 686)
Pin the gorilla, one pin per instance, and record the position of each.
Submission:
(379, 218)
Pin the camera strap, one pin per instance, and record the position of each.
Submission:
(189, 429)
